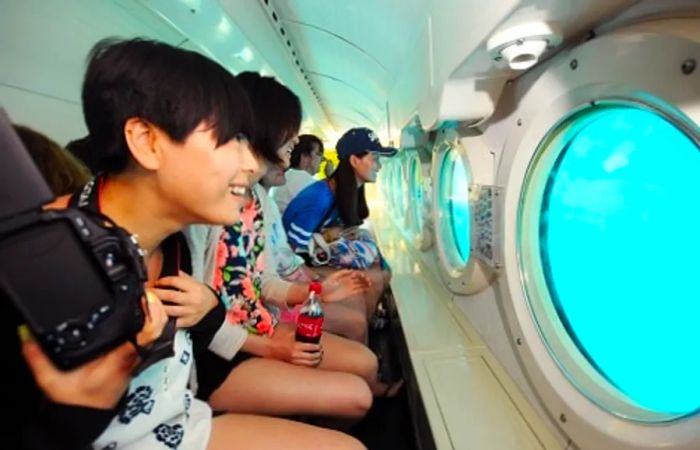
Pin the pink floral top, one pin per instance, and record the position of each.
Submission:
(240, 260)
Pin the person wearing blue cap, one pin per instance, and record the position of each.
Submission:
(335, 207)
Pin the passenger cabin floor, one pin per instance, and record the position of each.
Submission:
(388, 424)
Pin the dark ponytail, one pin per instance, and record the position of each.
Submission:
(350, 199)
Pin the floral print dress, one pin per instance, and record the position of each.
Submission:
(240, 261)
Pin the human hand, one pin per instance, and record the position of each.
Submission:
(286, 348)
(99, 383)
(189, 299)
(342, 284)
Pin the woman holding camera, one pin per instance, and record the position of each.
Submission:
(168, 128)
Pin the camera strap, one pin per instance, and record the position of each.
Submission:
(175, 257)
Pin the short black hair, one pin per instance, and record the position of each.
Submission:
(276, 111)
(172, 88)
(82, 149)
(351, 200)
(304, 147)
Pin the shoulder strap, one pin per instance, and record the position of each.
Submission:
(176, 255)
(89, 196)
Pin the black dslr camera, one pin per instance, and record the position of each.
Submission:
(75, 277)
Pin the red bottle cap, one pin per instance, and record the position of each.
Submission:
(315, 287)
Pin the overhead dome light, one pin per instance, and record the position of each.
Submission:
(245, 55)
(522, 45)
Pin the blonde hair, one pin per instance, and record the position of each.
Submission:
(63, 172)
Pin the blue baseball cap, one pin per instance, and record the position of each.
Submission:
(357, 141)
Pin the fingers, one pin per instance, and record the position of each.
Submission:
(118, 362)
(185, 322)
(154, 306)
(358, 281)
(354, 275)
(312, 359)
(168, 295)
(364, 277)
(354, 290)
(306, 363)
(307, 347)
(178, 310)
(186, 315)
(156, 319)
(182, 282)
(341, 273)
(40, 365)
(179, 283)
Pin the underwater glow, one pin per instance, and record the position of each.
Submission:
(454, 202)
(398, 190)
(417, 194)
(620, 246)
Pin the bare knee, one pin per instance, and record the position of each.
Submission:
(335, 440)
(359, 398)
(349, 443)
(366, 364)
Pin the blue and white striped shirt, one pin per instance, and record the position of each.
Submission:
(312, 210)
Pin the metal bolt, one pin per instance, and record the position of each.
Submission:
(573, 64)
(562, 418)
(688, 66)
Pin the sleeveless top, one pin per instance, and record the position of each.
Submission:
(159, 412)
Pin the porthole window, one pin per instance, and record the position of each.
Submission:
(417, 193)
(609, 249)
(385, 175)
(453, 201)
(398, 189)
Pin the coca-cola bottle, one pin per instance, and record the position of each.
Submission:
(310, 320)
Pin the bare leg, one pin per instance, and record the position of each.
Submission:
(344, 355)
(277, 388)
(232, 431)
(370, 299)
(379, 284)
(346, 320)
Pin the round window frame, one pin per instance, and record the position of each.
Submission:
(612, 66)
(448, 253)
(561, 347)
(416, 184)
(398, 190)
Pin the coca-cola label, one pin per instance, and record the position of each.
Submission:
(309, 327)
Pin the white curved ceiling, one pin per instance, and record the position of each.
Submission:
(353, 51)
(376, 63)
